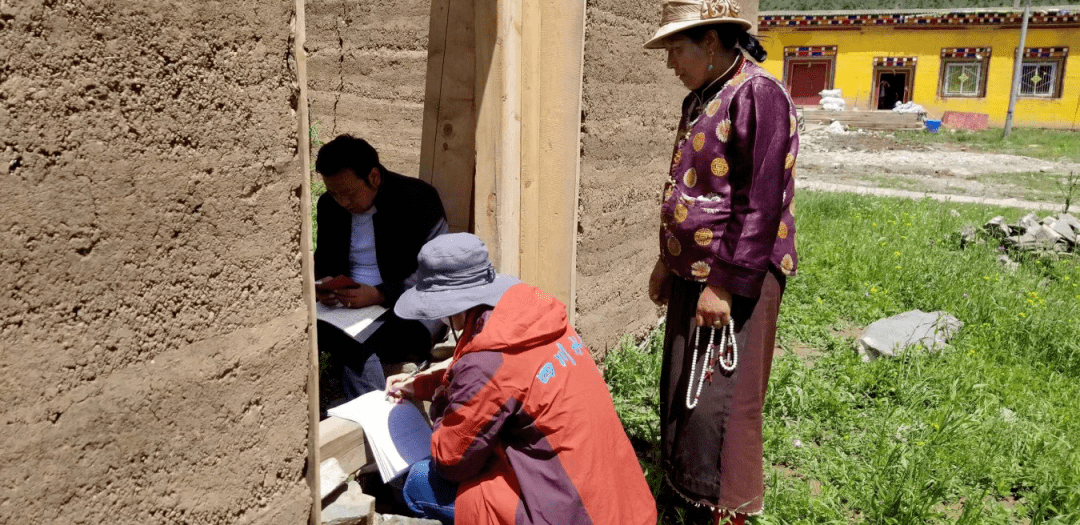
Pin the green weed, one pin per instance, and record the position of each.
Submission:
(317, 186)
(1039, 143)
(986, 431)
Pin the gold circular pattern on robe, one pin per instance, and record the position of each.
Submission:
(677, 158)
(669, 191)
(723, 130)
(789, 163)
(699, 141)
(787, 264)
(712, 108)
(791, 208)
(690, 178)
(673, 246)
(783, 230)
(794, 125)
(720, 167)
(703, 237)
(700, 270)
(680, 213)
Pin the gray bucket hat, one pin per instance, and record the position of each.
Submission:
(455, 274)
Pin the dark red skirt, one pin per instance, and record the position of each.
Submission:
(712, 454)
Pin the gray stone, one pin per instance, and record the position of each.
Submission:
(1062, 228)
(1008, 263)
(1071, 221)
(351, 507)
(1038, 237)
(998, 228)
(969, 235)
(331, 476)
(915, 329)
(1028, 222)
(390, 519)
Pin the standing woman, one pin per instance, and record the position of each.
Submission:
(727, 245)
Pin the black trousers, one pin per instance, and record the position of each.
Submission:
(397, 340)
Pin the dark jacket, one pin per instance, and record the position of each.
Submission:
(408, 213)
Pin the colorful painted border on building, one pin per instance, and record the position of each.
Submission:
(895, 61)
(809, 51)
(1046, 52)
(967, 52)
(934, 20)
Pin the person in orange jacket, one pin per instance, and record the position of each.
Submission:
(523, 421)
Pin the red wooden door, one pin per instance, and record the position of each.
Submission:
(807, 80)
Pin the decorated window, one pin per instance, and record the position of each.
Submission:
(963, 71)
(1042, 72)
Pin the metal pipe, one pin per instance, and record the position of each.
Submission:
(1018, 69)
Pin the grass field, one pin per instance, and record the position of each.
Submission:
(1039, 143)
(985, 432)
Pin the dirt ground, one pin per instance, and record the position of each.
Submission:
(881, 160)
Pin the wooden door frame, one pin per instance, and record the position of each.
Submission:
(792, 61)
(909, 85)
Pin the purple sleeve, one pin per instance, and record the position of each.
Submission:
(475, 411)
(758, 152)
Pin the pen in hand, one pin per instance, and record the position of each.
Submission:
(393, 392)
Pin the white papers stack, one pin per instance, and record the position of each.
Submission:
(353, 321)
(397, 433)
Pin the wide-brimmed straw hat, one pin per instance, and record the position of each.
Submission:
(455, 274)
(680, 15)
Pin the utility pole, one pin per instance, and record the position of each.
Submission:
(1018, 69)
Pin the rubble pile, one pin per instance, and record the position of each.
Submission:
(1050, 235)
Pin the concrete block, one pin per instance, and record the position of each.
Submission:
(351, 507)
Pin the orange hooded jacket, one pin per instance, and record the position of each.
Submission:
(527, 427)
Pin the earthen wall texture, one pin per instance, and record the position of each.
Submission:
(367, 63)
(367, 71)
(630, 110)
(153, 347)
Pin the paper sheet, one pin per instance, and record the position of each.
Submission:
(397, 432)
(353, 321)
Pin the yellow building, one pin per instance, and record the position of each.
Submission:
(944, 60)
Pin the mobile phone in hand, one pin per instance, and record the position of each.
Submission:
(340, 282)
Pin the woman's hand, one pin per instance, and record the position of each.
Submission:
(660, 283)
(714, 307)
(401, 386)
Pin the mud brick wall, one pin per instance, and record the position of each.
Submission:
(630, 112)
(366, 67)
(153, 347)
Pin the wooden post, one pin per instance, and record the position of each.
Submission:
(508, 142)
(448, 146)
(553, 255)
(1018, 70)
(307, 262)
(527, 60)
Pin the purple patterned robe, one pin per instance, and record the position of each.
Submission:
(727, 212)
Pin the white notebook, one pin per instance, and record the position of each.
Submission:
(397, 432)
(359, 323)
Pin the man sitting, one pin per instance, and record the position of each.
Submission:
(524, 423)
(371, 225)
